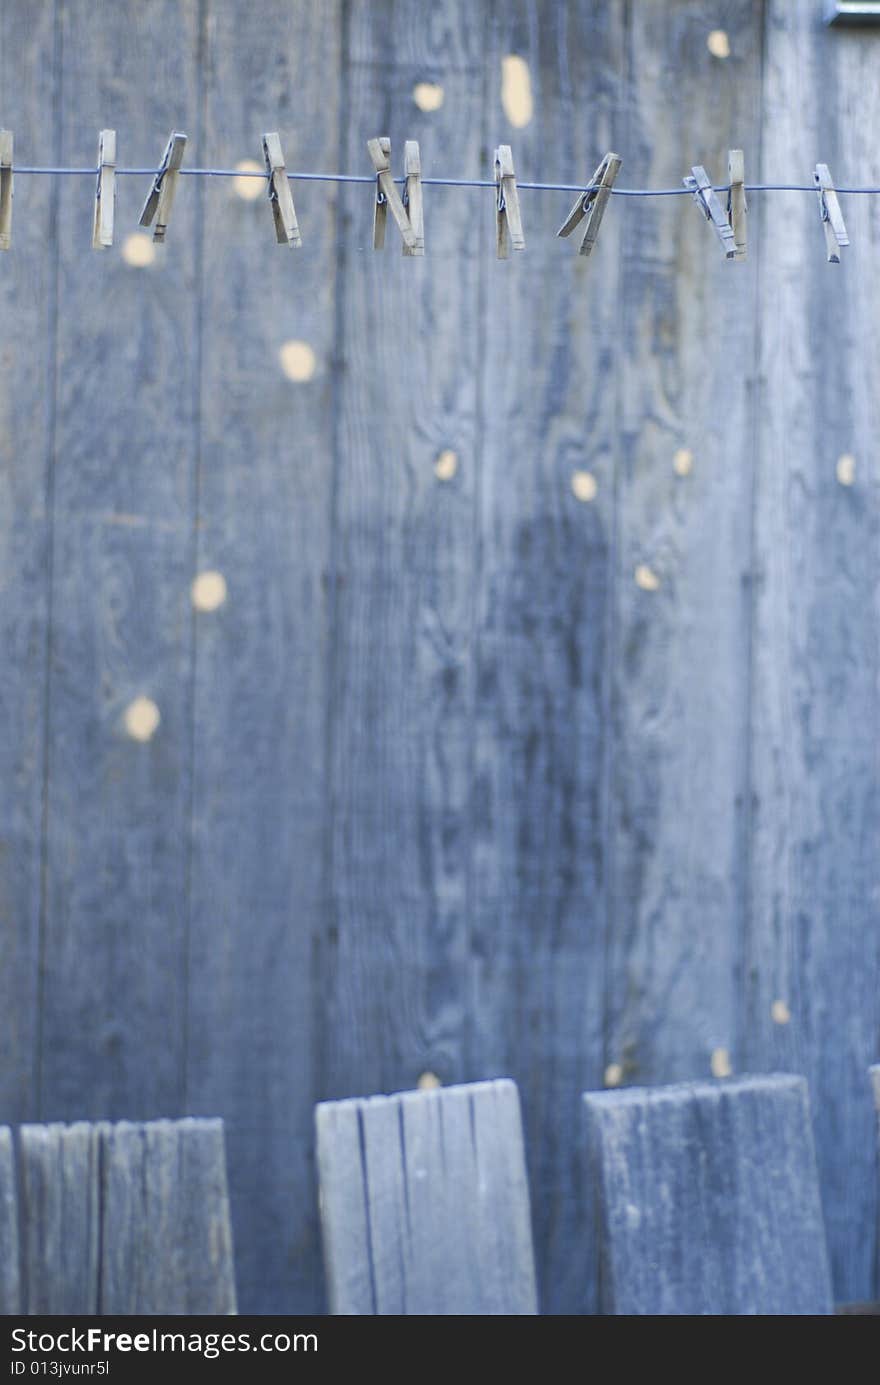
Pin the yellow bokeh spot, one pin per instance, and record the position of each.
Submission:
(142, 719)
(720, 1063)
(249, 188)
(779, 1012)
(428, 1082)
(583, 485)
(446, 465)
(297, 360)
(718, 44)
(683, 461)
(516, 90)
(428, 96)
(208, 591)
(646, 578)
(846, 469)
(613, 1075)
(138, 250)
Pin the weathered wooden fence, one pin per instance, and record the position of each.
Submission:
(467, 775)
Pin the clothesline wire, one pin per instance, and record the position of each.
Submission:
(436, 182)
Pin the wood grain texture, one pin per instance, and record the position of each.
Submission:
(27, 308)
(166, 1238)
(425, 1203)
(126, 1219)
(10, 1286)
(466, 775)
(813, 940)
(709, 1199)
(679, 690)
(874, 1078)
(114, 986)
(393, 985)
(261, 682)
(60, 1218)
(548, 411)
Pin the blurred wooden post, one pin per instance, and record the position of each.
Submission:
(10, 1301)
(874, 1074)
(425, 1203)
(126, 1219)
(708, 1199)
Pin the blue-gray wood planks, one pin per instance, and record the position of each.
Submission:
(543, 600)
(260, 697)
(28, 362)
(10, 1297)
(395, 942)
(114, 971)
(467, 773)
(166, 1239)
(425, 1203)
(708, 1199)
(60, 1217)
(811, 938)
(125, 1219)
(677, 745)
(874, 1074)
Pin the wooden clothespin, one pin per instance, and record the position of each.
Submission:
(508, 223)
(105, 194)
(412, 196)
(737, 207)
(280, 196)
(5, 189)
(161, 195)
(698, 183)
(387, 197)
(832, 216)
(592, 203)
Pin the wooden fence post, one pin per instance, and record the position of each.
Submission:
(425, 1204)
(10, 1298)
(708, 1199)
(60, 1218)
(126, 1219)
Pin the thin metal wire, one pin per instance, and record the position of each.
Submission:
(434, 182)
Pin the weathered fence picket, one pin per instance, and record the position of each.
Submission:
(505, 632)
(708, 1199)
(10, 1298)
(874, 1074)
(425, 1204)
(167, 1242)
(126, 1219)
(60, 1217)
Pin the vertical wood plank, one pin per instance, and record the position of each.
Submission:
(393, 985)
(10, 1287)
(114, 990)
(261, 655)
(166, 1244)
(680, 659)
(548, 422)
(344, 1218)
(60, 1217)
(126, 1219)
(27, 309)
(710, 1199)
(425, 1204)
(813, 947)
(506, 1267)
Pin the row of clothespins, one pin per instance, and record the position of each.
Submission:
(407, 209)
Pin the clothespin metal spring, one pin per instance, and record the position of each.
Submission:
(591, 204)
(388, 198)
(161, 195)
